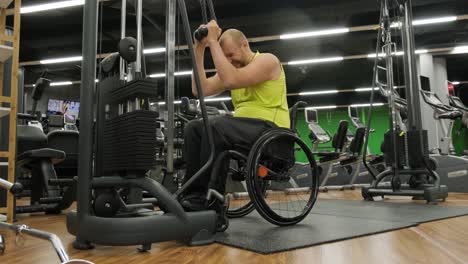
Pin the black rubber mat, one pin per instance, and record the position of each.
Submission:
(387, 211)
(331, 221)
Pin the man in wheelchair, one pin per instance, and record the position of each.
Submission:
(257, 84)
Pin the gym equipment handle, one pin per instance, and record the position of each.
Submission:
(201, 33)
(14, 188)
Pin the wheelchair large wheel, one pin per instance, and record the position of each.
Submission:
(240, 204)
(272, 162)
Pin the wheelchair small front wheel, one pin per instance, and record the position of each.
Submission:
(281, 160)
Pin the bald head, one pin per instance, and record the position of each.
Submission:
(234, 35)
(236, 47)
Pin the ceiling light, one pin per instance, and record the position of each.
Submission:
(175, 102)
(51, 6)
(183, 73)
(218, 99)
(61, 83)
(373, 55)
(460, 49)
(315, 33)
(163, 75)
(158, 75)
(311, 61)
(321, 107)
(154, 50)
(434, 20)
(365, 89)
(319, 92)
(60, 60)
(455, 83)
(366, 105)
(395, 25)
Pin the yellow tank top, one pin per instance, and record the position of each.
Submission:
(266, 101)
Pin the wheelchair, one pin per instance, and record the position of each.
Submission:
(264, 171)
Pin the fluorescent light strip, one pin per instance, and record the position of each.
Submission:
(154, 50)
(366, 105)
(80, 58)
(460, 49)
(455, 83)
(158, 75)
(365, 89)
(318, 92)
(322, 107)
(398, 53)
(313, 61)
(315, 33)
(183, 73)
(163, 75)
(61, 83)
(51, 6)
(218, 99)
(437, 20)
(212, 99)
(175, 102)
(373, 55)
(61, 60)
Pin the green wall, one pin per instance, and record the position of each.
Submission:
(460, 137)
(329, 119)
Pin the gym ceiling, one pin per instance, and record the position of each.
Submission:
(57, 34)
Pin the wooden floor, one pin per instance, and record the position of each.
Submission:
(436, 242)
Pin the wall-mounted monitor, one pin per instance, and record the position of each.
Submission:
(54, 107)
(60, 107)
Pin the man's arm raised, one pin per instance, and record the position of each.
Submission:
(210, 86)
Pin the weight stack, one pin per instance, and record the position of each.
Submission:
(388, 149)
(129, 138)
(130, 141)
(416, 153)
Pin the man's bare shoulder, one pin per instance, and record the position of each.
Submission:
(268, 56)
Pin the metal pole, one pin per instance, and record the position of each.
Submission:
(21, 103)
(123, 25)
(209, 132)
(411, 73)
(171, 14)
(88, 75)
(139, 36)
